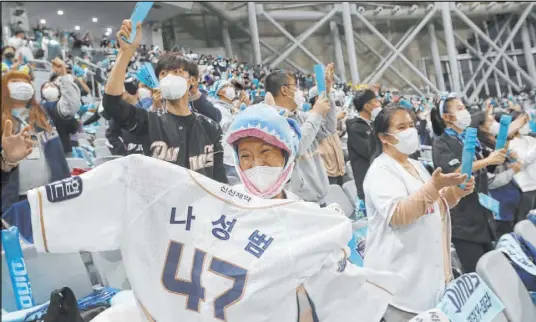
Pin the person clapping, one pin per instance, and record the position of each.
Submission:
(408, 215)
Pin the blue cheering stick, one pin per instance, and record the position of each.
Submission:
(138, 15)
(17, 268)
(468, 153)
(503, 131)
(320, 79)
(147, 76)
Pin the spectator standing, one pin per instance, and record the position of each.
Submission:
(501, 184)
(408, 216)
(330, 149)
(225, 94)
(473, 226)
(179, 136)
(524, 146)
(309, 180)
(47, 161)
(61, 101)
(359, 130)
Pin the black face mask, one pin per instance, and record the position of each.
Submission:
(9, 55)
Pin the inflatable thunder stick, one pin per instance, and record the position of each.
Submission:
(468, 153)
(138, 15)
(320, 79)
(503, 131)
(17, 268)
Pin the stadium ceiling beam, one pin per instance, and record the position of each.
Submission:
(403, 45)
(304, 36)
(480, 33)
(246, 31)
(393, 69)
(390, 54)
(502, 50)
(484, 59)
(291, 38)
(452, 52)
(395, 12)
(436, 59)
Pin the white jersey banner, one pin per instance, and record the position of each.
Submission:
(197, 250)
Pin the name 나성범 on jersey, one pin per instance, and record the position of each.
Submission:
(193, 289)
(222, 228)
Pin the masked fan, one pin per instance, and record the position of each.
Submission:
(179, 136)
(47, 161)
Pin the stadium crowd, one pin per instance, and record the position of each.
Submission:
(268, 134)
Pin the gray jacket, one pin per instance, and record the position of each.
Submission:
(309, 180)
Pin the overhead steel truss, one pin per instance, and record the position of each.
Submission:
(345, 14)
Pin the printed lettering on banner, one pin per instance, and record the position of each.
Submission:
(509, 245)
(189, 217)
(357, 246)
(433, 315)
(228, 190)
(65, 189)
(222, 228)
(24, 289)
(469, 299)
(258, 244)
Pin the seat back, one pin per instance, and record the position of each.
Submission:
(100, 142)
(77, 163)
(102, 151)
(47, 272)
(496, 271)
(527, 230)
(351, 190)
(100, 133)
(110, 268)
(337, 195)
(101, 160)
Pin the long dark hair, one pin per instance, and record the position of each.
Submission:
(438, 125)
(381, 126)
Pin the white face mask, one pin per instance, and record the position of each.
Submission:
(494, 129)
(463, 119)
(229, 93)
(173, 87)
(21, 91)
(144, 93)
(375, 113)
(263, 177)
(51, 94)
(298, 97)
(408, 141)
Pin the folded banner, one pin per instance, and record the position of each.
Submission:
(433, 315)
(509, 245)
(468, 298)
(357, 243)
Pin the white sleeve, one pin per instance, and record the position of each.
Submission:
(342, 291)
(384, 197)
(82, 212)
